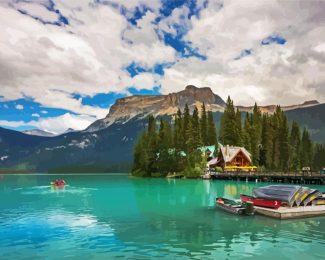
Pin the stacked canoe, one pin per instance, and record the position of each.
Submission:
(274, 196)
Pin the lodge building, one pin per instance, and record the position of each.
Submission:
(232, 158)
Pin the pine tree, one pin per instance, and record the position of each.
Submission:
(203, 126)
(196, 128)
(246, 140)
(178, 135)
(151, 150)
(319, 157)
(185, 125)
(211, 130)
(294, 159)
(276, 121)
(284, 143)
(306, 149)
(229, 128)
(266, 143)
(255, 133)
(238, 128)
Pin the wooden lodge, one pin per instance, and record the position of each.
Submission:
(233, 158)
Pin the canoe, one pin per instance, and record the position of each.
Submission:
(266, 203)
(319, 201)
(234, 207)
(285, 193)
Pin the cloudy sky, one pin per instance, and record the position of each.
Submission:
(64, 62)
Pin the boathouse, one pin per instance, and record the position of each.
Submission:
(233, 158)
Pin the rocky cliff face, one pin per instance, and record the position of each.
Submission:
(127, 108)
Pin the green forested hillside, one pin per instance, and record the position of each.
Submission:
(313, 118)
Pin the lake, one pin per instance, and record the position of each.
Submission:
(108, 216)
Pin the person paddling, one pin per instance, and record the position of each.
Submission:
(62, 183)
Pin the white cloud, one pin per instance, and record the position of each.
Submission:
(35, 115)
(278, 74)
(131, 4)
(54, 125)
(19, 107)
(49, 63)
(37, 10)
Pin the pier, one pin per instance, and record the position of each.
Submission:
(290, 213)
(272, 176)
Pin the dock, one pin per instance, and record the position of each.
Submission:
(291, 213)
(272, 176)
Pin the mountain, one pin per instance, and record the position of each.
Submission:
(127, 108)
(38, 132)
(313, 118)
(69, 130)
(107, 144)
(272, 108)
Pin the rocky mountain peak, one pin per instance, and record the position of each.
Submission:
(140, 106)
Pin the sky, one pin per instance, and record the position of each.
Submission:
(63, 63)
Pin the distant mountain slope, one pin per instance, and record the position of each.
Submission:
(313, 118)
(109, 147)
(38, 132)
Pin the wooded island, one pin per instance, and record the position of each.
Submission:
(179, 145)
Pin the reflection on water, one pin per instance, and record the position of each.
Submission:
(118, 216)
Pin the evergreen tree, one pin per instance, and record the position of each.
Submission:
(255, 133)
(294, 159)
(306, 149)
(319, 157)
(178, 134)
(238, 128)
(190, 142)
(211, 130)
(229, 128)
(275, 125)
(203, 126)
(265, 136)
(185, 125)
(196, 128)
(266, 143)
(151, 149)
(284, 143)
(246, 141)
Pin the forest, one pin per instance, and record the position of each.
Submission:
(176, 146)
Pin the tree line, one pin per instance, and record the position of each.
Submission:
(168, 146)
(173, 145)
(272, 142)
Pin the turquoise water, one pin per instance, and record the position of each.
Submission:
(104, 217)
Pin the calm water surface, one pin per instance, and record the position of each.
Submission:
(101, 217)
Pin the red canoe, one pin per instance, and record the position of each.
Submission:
(273, 204)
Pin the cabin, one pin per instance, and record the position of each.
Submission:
(233, 158)
(208, 151)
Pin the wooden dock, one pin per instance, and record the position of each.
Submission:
(272, 176)
(290, 213)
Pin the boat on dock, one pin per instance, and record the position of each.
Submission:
(267, 203)
(292, 201)
(287, 194)
(235, 207)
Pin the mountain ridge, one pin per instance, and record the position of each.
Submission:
(130, 107)
(111, 145)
